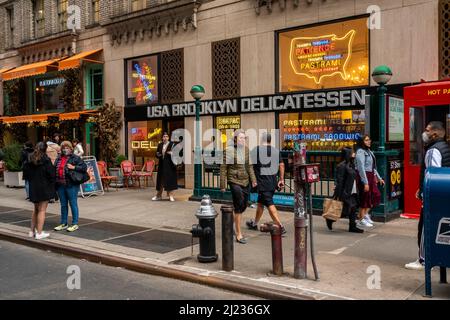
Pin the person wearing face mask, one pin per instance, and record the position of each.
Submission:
(437, 155)
(368, 178)
(68, 165)
(238, 171)
(167, 170)
(346, 189)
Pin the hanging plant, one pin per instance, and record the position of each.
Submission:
(107, 130)
(72, 89)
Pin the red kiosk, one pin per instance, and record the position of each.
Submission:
(425, 102)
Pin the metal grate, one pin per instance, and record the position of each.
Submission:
(172, 76)
(444, 39)
(226, 70)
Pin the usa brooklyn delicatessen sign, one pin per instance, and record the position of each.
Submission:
(304, 101)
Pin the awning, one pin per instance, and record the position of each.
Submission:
(75, 61)
(75, 115)
(3, 70)
(30, 69)
(28, 118)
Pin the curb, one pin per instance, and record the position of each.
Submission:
(146, 268)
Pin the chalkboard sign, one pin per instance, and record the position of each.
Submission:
(94, 185)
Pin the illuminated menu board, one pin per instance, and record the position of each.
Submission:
(326, 56)
(227, 125)
(142, 80)
(330, 130)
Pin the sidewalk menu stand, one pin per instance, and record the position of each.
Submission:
(94, 186)
(436, 223)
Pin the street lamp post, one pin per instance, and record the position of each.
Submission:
(197, 93)
(382, 75)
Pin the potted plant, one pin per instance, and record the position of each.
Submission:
(116, 171)
(13, 172)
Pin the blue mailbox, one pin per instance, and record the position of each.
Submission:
(436, 223)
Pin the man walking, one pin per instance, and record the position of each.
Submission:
(437, 155)
(267, 162)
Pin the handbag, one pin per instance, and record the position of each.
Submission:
(332, 209)
(78, 177)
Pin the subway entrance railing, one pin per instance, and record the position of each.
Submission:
(328, 161)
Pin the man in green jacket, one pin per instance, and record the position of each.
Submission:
(237, 170)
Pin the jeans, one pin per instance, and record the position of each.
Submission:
(69, 194)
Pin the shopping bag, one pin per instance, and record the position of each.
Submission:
(332, 209)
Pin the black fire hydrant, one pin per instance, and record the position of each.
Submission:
(205, 230)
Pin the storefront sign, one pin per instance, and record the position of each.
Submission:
(324, 56)
(94, 184)
(395, 179)
(355, 98)
(51, 82)
(395, 119)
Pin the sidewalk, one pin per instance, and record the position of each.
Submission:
(127, 225)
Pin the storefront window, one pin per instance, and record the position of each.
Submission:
(227, 125)
(326, 56)
(48, 94)
(142, 81)
(329, 130)
(96, 87)
(143, 139)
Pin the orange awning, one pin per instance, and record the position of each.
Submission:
(3, 70)
(27, 118)
(75, 61)
(75, 115)
(30, 69)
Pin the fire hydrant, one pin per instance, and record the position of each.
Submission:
(205, 230)
(277, 248)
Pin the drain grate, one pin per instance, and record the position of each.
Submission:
(156, 241)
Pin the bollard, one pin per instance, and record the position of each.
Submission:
(227, 238)
(277, 247)
(300, 258)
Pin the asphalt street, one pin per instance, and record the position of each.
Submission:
(31, 274)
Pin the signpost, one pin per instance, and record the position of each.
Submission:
(94, 185)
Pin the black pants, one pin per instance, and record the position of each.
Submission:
(240, 196)
(349, 209)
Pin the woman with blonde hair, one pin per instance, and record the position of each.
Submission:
(71, 171)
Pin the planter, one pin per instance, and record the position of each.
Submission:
(116, 172)
(13, 179)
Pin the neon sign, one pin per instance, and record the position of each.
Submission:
(320, 57)
(143, 80)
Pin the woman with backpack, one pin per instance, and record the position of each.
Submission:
(40, 174)
(71, 171)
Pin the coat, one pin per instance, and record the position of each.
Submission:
(167, 170)
(235, 172)
(41, 178)
(74, 160)
(345, 179)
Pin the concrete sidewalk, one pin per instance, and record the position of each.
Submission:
(344, 259)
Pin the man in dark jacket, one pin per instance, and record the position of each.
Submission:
(24, 158)
(437, 155)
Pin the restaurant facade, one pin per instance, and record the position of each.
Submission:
(302, 67)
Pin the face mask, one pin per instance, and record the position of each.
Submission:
(425, 138)
(65, 152)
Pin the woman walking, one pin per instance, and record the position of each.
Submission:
(238, 172)
(71, 171)
(40, 174)
(346, 189)
(368, 178)
(167, 171)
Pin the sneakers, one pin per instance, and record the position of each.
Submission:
(156, 198)
(363, 224)
(42, 235)
(253, 206)
(368, 219)
(251, 224)
(171, 199)
(72, 228)
(61, 227)
(416, 265)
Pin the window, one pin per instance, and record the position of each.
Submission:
(38, 18)
(325, 56)
(96, 98)
(48, 94)
(137, 5)
(226, 69)
(62, 15)
(172, 76)
(327, 130)
(142, 82)
(10, 14)
(444, 38)
(95, 11)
